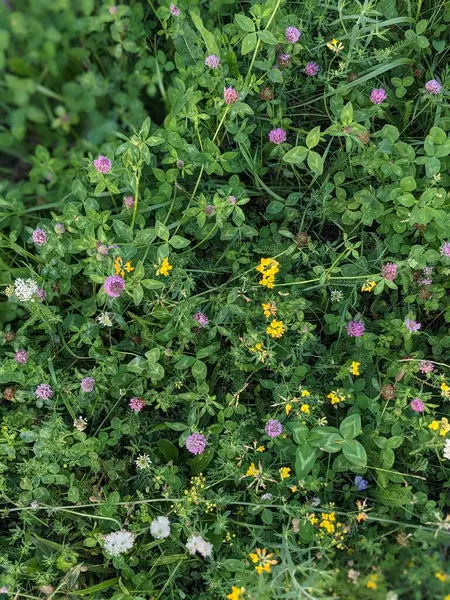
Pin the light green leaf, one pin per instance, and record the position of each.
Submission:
(296, 155)
(355, 453)
(248, 43)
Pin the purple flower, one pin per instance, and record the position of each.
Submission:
(283, 60)
(445, 249)
(311, 69)
(113, 10)
(277, 136)
(426, 366)
(417, 405)
(231, 200)
(128, 202)
(40, 294)
(102, 249)
(361, 484)
(425, 281)
(378, 96)
(44, 391)
(433, 87)
(201, 319)
(427, 271)
(230, 95)
(40, 238)
(210, 210)
(355, 328)
(412, 325)
(87, 384)
(114, 285)
(102, 164)
(21, 357)
(196, 443)
(137, 404)
(274, 428)
(292, 34)
(212, 61)
(60, 229)
(174, 10)
(389, 271)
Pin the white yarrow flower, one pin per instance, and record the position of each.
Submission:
(447, 449)
(25, 289)
(197, 544)
(143, 461)
(119, 542)
(336, 295)
(160, 528)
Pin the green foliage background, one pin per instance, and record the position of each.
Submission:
(355, 185)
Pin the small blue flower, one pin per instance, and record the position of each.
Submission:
(361, 483)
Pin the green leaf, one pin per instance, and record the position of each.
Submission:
(313, 137)
(267, 38)
(199, 370)
(350, 427)
(208, 36)
(347, 114)
(123, 231)
(199, 463)
(248, 43)
(178, 242)
(304, 459)
(161, 231)
(152, 284)
(315, 162)
(296, 155)
(168, 450)
(355, 453)
(267, 516)
(138, 293)
(244, 23)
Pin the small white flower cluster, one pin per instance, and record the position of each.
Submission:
(197, 544)
(160, 528)
(80, 423)
(447, 449)
(25, 289)
(119, 542)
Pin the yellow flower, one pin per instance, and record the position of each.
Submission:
(260, 449)
(305, 394)
(268, 267)
(120, 268)
(372, 582)
(285, 472)
(288, 408)
(368, 286)
(442, 577)
(335, 45)
(256, 348)
(262, 560)
(434, 425)
(293, 488)
(313, 519)
(354, 369)
(445, 389)
(328, 526)
(276, 329)
(252, 471)
(445, 426)
(447, 597)
(305, 408)
(335, 398)
(164, 268)
(236, 593)
(269, 308)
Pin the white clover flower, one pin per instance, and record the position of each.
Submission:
(106, 319)
(160, 528)
(80, 423)
(336, 295)
(143, 461)
(197, 544)
(25, 289)
(391, 596)
(447, 449)
(119, 542)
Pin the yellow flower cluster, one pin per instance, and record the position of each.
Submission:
(270, 309)
(285, 473)
(354, 368)
(263, 560)
(276, 329)
(252, 471)
(193, 494)
(335, 45)
(120, 267)
(236, 593)
(443, 425)
(328, 524)
(372, 581)
(164, 268)
(335, 397)
(445, 390)
(442, 577)
(304, 408)
(268, 267)
(368, 286)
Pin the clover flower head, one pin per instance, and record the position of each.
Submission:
(196, 443)
(174, 10)
(87, 384)
(230, 95)
(433, 87)
(389, 271)
(417, 405)
(137, 404)
(160, 528)
(21, 357)
(311, 69)
(119, 542)
(128, 202)
(277, 136)
(292, 34)
(25, 289)
(274, 428)
(378, 96)
(114, 286)
(39, 236)
(212, 61)
(445, 249)
(355, 328)
(412, 325)
(43, 391)
(426, 366)
(102, 164)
